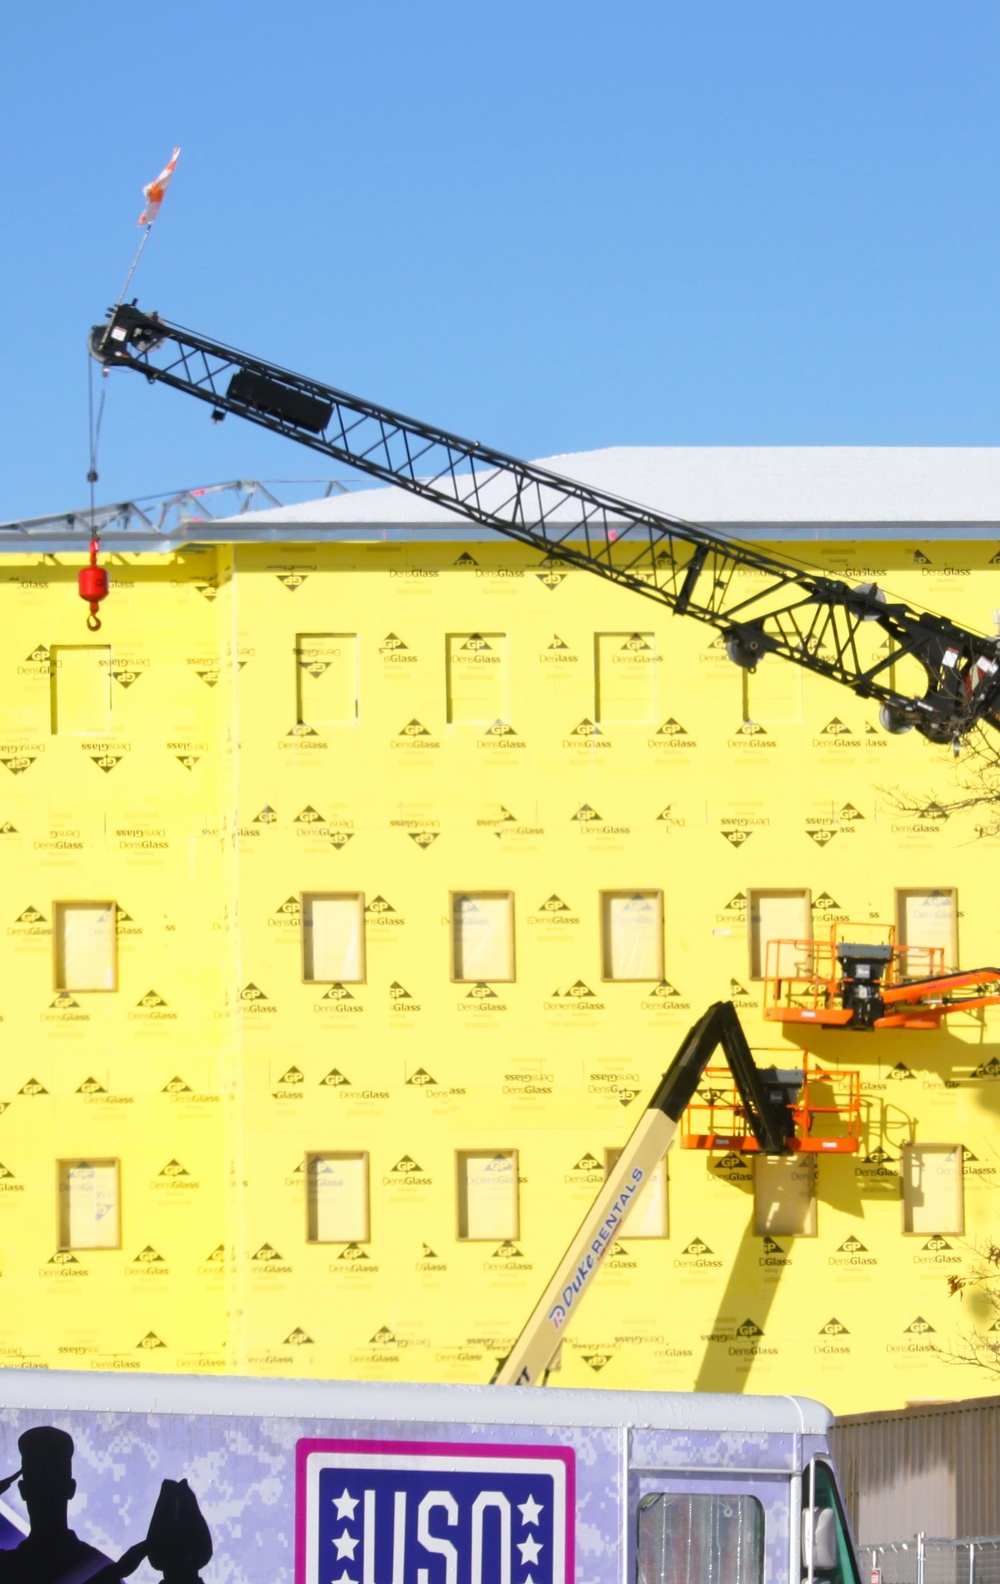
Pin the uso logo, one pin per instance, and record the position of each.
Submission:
(398, 1512)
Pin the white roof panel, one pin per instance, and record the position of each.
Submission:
(732, 486)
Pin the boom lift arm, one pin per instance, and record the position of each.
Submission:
(759, 603)
(766, 1114)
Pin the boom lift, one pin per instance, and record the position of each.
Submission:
(771, 1118)
(846, 982)
(762, 605)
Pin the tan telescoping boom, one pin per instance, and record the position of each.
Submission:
(767, 1113)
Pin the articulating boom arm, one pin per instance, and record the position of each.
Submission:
(539, 1341)
(760, 604)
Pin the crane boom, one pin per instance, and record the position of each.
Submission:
(761, 604)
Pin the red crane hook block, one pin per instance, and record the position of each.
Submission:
(93, 586)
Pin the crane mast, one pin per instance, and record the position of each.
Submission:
(760, 604)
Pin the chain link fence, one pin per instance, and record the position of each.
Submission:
(929, 1561)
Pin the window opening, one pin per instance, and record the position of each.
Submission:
(333, 937)
(482, 936)
(933, 1189)
(632, 935)
(85, 936)
(337, 1196)
(80, 689)
(89, 1209)
(487, 1195)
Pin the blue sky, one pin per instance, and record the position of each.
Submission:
(551, 226)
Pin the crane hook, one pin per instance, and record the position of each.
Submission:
(92, 582)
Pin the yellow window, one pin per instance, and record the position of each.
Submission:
(333, 937)
(86, 945)
(487, 1195)
(337, 1197)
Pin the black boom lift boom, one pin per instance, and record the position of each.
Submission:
(761, 604)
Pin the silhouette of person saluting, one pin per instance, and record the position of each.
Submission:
(177, 1544)
(51, 1553)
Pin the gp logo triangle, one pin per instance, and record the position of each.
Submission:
(587, 1163)
(835, 728)
(298, 1338)
(334, 1080)
(749, 1328)
(148, 1256)
(833, 1327)
(554, 904)
(507, 1250)
(852, 1245)
(477, 644)
(309, 816)
(173, 1168)
(266, 1255)
(697, 1247)
(31, 915)
(384, 1337)
(586, 728)
(406, 1166)
(337, 992)
(353, 1251)
(292, 1075)
(91, 1086)
(596, 1361)
(151, 999)
(421, 1078)
(413, 728)
(585, 815)
(918, 1327)
(482, 992)
(424, 838)
(671, 728)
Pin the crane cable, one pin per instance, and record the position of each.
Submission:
(92, 580)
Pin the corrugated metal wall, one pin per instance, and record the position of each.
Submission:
(933, 1468)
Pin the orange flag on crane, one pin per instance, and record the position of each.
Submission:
(155, 193)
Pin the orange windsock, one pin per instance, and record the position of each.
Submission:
(156, 191)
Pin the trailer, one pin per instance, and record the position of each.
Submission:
(325, 1482)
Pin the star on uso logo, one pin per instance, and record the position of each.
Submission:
(472, 1514)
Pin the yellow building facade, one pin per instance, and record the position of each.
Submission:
(359, 881)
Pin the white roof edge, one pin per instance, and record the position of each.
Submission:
(105, 1392)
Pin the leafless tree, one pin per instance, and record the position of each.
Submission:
(978, 1343)
(974, 790)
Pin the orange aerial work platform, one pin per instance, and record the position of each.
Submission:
(849, 982)
(822, 1109)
